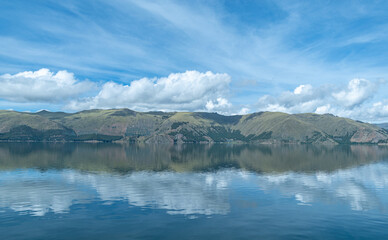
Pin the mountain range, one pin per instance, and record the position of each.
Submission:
(125, 125)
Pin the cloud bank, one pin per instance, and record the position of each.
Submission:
(42, 86)
(188, 91)
(355, 100)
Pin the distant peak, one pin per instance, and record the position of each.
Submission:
(43, 111)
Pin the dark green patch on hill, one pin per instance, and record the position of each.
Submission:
(220, 119)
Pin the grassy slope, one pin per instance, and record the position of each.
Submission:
(125, 124)
(279, 125)
(11, 119)
(309, 127)
(112, 122)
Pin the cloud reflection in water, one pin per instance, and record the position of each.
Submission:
(189, 193)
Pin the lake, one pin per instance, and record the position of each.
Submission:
(193, 191)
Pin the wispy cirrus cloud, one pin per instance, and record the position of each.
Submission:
(281, 46)
(274, 46)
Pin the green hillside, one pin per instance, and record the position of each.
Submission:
(158, 127)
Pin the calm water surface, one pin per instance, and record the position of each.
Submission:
(109, 191)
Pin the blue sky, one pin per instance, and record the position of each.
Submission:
(225, 56)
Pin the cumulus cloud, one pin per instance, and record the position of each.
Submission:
(357, 92)
(191, 90)
(243, 111)
(41, 86)
(354, 100)
(219, 104)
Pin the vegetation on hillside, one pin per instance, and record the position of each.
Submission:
(129, 126)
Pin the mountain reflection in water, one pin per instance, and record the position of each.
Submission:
(117, 158)
(189, 179)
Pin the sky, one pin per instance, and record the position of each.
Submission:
(230, 57)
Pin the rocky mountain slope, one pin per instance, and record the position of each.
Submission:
(179, 127)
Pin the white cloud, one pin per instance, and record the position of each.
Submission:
(243, 111)
(188, 91)
(323, 109)
(302, 89)
(41, 86)
(354, 101)
(358, 91)
(219, 104)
